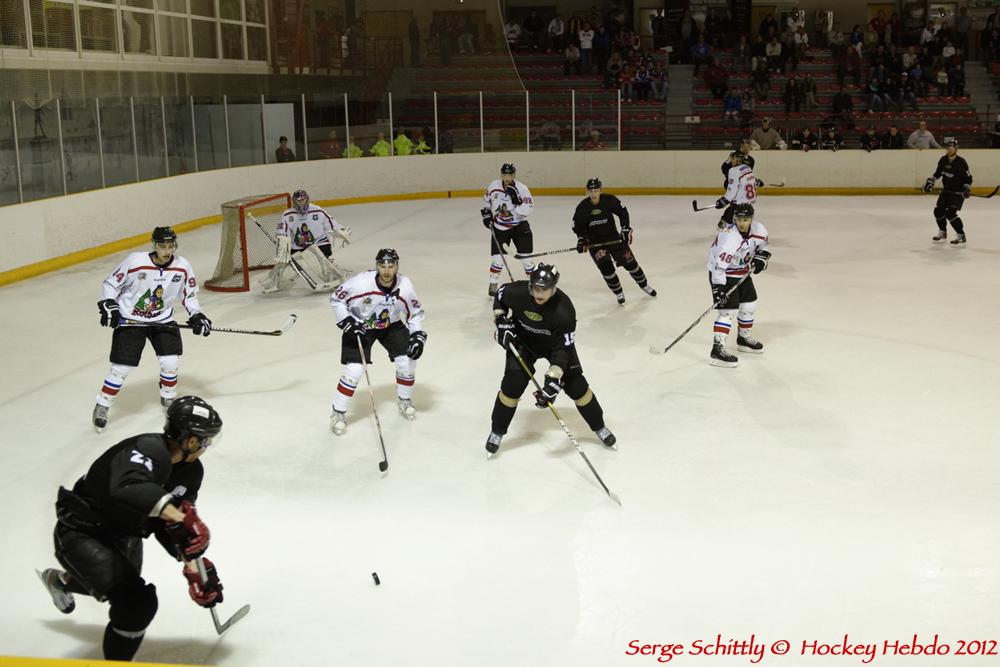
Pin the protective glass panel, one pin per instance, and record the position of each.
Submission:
(256, 43)
(369, 125)
(204, 39)
(245, 131)
(327, 132)
(232, 41)
(13, 30)
(504, 121)
(138, 32)
(149, 139)
(458, 123)
(210, 126)
(596, 120)
(180, 136)
(173, 36)
(98, 29)
(83, 162)
(8, 161)
(414, 119)
(38, 141)
(52, 25)
(549, 121)
(283, 120)
(116, 139)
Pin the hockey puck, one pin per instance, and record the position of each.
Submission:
(375, 578)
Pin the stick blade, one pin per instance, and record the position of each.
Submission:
(289, 323)
(694, 205)
(615, 498)
(233, 620)
(655, 349)
(383, 466)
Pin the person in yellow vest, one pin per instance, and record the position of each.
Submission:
(352, 150)
(403, 144)
(420, 146)
(381, 147)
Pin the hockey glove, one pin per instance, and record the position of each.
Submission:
(759, 261)
(487, 216)
(966, 192)
(626, 236)
(200, 325)
(515, 196)
(760, 183)
(205, 593)
(352, 326)
(506, 332)
(581, 245)
(415, 348)
(190, 535)
(722, 202)
(110, 315)
(719, 294)
(929, 184)
(548, 392)
(345, 236)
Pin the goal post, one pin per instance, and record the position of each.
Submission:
(243, 247)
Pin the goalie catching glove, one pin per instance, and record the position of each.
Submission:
(206, 593)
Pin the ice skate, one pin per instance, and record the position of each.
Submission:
(649, 290)
(959, 239)
(940, 236)
(100, 417)
(621, 298)
(606, 437)
(338, 422)
(61, 598)
(493, 444)
(165, 402)
(406, 408)
(720, 357)
(493, 289)
(747, 343)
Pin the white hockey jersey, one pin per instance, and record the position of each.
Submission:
(376, 306)
(731, 253)
(741, 185)
(505, 214)
(305, 229)
(146, 292)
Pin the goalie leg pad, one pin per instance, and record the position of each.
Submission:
(348, 384)
(314, 264)
(280, 277)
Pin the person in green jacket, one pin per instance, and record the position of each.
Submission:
(381, 148)
(403, 144)
(352, 150)
(420, 146)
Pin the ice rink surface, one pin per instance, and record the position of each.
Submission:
(843, 482)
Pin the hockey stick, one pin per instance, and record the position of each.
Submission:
(779, 184)
(653, 349)
(235, 618)
(295, 264)
(565, 428)
(503, 255)
(383, 465)
(990, 195)
(253, 332)
(573, 249)
(939, 192)
(698, 209)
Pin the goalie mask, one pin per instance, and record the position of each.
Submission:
(300, 201)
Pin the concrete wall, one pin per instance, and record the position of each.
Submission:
(52, 228)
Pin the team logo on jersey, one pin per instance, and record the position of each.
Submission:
(150, 303)
(367, 301)
(303, 236)
(315, 217)
(142, 275)
(176, 278)
(534, 317)
(596, 211)
(380, 321)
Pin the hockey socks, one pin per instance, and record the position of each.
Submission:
(503, 412)
(592, 412)
(958, 225)
(636, 272)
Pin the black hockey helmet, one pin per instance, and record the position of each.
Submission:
(950, 142)
(386, 256)
(300, 201)
(508, 168)
(743, 211)
(164, 235)
(191, 415)
(594, 184)
(737, 155)
(544, 276)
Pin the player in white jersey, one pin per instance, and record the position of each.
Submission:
(304, 246)
(739, 249)
(506, 206)
(137, 301)
(377, 305)
(741, 187)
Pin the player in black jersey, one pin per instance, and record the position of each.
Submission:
(746, 158)
(145, 484)
(538, 320)
(956, 181)
(594, 223)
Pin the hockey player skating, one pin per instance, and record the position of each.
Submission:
(506, 206)
(137, 301)
(745, 158)
(593, 223)
(304, 244)
(146, 484)
(956, 180)
(377, 305)
(739, 249)
(539, 321)
(741, 187)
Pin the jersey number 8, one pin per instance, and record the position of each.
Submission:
(751, 189)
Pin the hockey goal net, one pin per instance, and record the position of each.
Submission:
(244, 247)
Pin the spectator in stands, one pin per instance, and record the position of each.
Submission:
(571, 60)
(788, 54)
(947, 52)
(414, 33)
(910, 58)
(549, 137)
(420, 146)
(556, 30)
(687, 37)
(893, 139)
(283, 153)
(766, 136)
(331, 148)
(836, 40)
(594, 143)
(905, 91)
(768, 27)
(809, 91)
(732, 106)
(626, 83)
(660, 82)
(381, 147)
(773, 53)
(586, 37)
(802, 45)
(402, 143)
(512, 30)
(602, 48)
(749, 108)
(956, 81)
(467, 37)
(700, 53)
(963, 26)
(762, 80)
(716, 78)
(533, 29)
(875, 93)
(832, 140)
(870, 141)
(877, 24)
(843, 107)
(804, 140)
(613, 70)
(792, 95)
(942, 81)
(741, 55)
(757, 53)
(856, 37)
(928, 33)
(922, 138)
(642, 82)
(352, 150)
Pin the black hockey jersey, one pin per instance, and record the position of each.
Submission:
(954, 174)
(596, 222)
(548, 330)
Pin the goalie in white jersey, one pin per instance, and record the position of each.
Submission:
(739, 250)
(377, 305)
(137, 301)
(304, 246)
(741, 187)
(506, 206)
